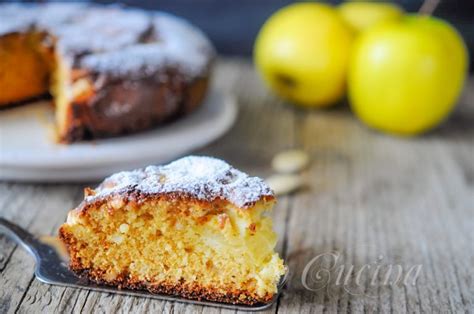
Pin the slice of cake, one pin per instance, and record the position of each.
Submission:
(196, 227)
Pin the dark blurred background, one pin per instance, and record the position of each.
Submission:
(233, 24)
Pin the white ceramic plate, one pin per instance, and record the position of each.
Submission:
(28, 151)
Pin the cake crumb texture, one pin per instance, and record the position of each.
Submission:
(183, 229)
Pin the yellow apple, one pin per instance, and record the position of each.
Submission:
(405, 77)
(363, 15)
(302, 52)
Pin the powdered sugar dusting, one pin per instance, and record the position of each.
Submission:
(14, 17)
(81, 28)
(114, 40)
(100, 29)
(204, 178)
(178, 44)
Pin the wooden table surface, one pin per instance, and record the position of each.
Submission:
(371, 199)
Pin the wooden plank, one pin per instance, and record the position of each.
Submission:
(46, 208)
(10, 203)
(409, 201)
(405, 198)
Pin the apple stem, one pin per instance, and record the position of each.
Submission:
(428, 7)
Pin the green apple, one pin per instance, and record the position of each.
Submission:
(405, 77)
(302, 53)
(363, 15)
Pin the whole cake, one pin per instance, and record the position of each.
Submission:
(109, 70)
(196, 227)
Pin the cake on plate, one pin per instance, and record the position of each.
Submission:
(109, 70)
(197, 228)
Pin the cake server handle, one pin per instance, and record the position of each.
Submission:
(21, 236)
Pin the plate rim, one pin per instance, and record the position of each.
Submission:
(147, 151)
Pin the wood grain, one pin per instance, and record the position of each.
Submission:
(368, 196)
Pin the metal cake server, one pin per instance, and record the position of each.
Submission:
(52, 268)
